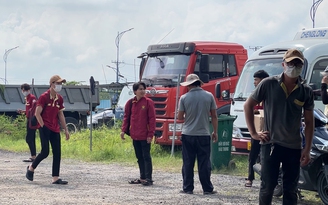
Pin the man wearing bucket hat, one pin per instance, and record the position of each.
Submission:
(195, 108)
(49, 110)
(285, 97)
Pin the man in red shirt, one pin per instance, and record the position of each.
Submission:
(30, 133)
(49, 112)
(139, 118)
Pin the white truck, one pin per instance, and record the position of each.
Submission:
(314, 45)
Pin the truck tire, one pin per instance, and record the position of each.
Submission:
(72, 124)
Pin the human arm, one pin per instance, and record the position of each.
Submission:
(38, 111)
(249, 117)
(151, 121)
(63, 123)
(214, 122)
(181, 112)
(309, 131)
(126, 118)
(324, 94)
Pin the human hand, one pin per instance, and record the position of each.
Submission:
(214, 137)
(122, 136)
(19, 111)
(324, 79)
(149, 139)
(305, 158)
(262, 136)
(67, 134)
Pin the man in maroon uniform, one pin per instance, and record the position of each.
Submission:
(30, 133)
(49, 110)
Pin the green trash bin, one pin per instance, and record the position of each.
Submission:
(221, 150)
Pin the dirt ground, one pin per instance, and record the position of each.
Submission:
(96, 183)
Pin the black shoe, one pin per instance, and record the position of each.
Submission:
(29, 174)
(186, 192)
(209, 192)
(147, 183)
(60, 181)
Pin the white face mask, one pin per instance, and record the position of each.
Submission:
(58, 88)
(292, 72)
(25, 93)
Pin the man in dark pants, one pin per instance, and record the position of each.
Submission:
(255, 144)
(139, 118)
(30, 133)
(285, 97)
(195, 108)
(49, 112)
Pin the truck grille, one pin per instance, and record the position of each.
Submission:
(160, 105)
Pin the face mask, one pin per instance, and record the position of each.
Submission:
(25, 93)
(58, 88)
(292, 72)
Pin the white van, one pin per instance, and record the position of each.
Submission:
(314, 45)
(126, 94)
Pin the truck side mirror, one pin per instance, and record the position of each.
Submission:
(204, 63)
(218, 90)
(204, 77)
(218, 93)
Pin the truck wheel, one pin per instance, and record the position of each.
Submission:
(72, 124)
(322, 186)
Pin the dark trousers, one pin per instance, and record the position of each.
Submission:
(142, 151)
(192, 147)
(47, 136)
(252, 157)
(30, 139)
(290, 160)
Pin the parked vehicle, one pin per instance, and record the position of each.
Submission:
(164, 66)
(125, 95)
(314, 45)
(313, 177)
(76, 100)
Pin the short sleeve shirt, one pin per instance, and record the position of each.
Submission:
(197, 105)
(51, 107)
(283, 112)
(29, 99)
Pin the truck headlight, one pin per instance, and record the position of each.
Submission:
(236, 133)
(177, 128)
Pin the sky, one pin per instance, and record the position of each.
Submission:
(76, 38)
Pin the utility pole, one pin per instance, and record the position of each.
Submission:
(313, 10)
(117, 43)
(5, 59)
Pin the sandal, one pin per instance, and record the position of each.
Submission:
(28, 160)
(29, 174)
(249, 183)
(135, 181)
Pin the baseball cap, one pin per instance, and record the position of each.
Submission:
(57, 79)
(292, 54)
(191, 78)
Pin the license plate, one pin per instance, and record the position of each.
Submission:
(249, 145)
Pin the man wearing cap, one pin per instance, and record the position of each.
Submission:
(285, 97)
(49, 110)
(195, 108)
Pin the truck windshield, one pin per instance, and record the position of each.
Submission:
(164, 70)
(245, 85)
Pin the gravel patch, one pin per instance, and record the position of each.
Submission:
(97, 183)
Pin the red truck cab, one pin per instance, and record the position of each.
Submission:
(164, 66)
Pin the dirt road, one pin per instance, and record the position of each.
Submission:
(95, 183)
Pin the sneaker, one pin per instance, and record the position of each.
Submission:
(209, 192)
(186, 192)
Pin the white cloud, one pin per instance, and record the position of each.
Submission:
(75, 39)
